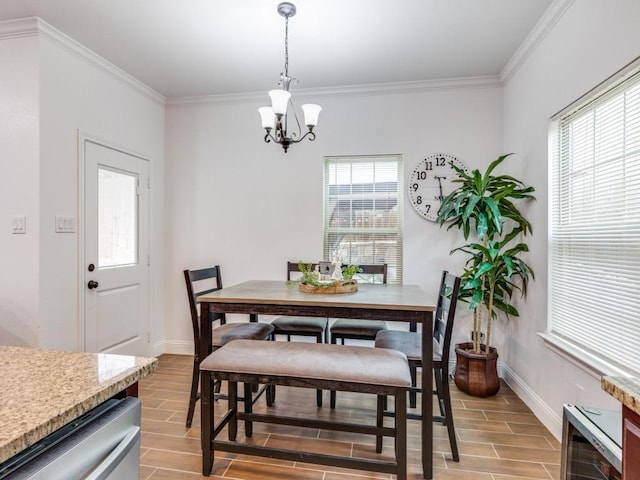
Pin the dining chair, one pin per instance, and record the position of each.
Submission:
(201, 282)
(301, 326)
(410, 343)
(352, 329)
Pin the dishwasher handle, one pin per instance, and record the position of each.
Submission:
(108, 465)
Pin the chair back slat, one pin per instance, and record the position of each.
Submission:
(373, 273)
(201, 282)
(293, 267)
(445, 313)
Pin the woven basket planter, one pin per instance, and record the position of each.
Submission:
(476, 373)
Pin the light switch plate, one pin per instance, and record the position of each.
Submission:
(19, 224)
(65, 224)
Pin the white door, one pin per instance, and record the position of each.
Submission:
(116, 251)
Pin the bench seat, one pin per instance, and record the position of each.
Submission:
(307, 365)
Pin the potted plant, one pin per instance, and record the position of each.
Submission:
(483, 208)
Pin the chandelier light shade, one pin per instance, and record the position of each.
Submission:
(274, 118)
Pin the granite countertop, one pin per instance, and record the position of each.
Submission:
(625, 389)
(42, 390)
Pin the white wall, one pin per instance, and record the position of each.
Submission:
(592, 40)
(68, 89)
(232, 200)
(19, 189)
(235, 201)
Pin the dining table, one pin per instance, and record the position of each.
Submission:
(388, 302)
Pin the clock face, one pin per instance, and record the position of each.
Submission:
(431, 181)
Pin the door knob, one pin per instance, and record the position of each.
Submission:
(92, 284)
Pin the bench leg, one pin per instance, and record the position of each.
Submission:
(401, 433)
(270, 395)
(248, 408)
(206, 420)
(233, 407)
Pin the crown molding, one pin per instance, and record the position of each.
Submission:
(34, 26)
(492, 81)
(539, 32)
(18, 28)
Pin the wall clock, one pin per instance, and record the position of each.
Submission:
(431, 181)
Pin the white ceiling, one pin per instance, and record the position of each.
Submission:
(215, 47)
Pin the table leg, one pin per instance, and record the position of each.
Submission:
(427, 396)
(205, 331)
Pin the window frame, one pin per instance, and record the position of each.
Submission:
(395, 269)
(563, 333)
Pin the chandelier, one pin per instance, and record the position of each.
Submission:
(274, 118)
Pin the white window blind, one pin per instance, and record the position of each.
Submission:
(595, 224)
(363, 211)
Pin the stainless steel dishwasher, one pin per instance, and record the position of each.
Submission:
(102, 444)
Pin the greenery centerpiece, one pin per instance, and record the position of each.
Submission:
(311, 281)
(483, 207)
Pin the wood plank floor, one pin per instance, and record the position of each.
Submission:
(498, 438)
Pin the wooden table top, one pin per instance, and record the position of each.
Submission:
(275, 292)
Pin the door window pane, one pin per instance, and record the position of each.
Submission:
(117, 218)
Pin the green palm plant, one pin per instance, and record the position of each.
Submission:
(483, 203)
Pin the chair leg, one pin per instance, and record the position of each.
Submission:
(332, 396)
(439, 392)
(446, 394)
(444, 402)
(207, 420)
(248, 408)
(401, 434)
(233, 406)
(193, 398)
(413, 396)
(380, 420)
(319, 392)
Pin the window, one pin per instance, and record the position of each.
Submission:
(595, 223)
(117, 218)
(363, 211)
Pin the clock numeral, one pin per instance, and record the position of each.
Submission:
(415, 187)
(441, 161)
(428, 166)
(419, 200)
(421, 175)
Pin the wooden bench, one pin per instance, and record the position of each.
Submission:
(307, 365)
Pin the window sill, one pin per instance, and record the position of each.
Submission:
(593, 365)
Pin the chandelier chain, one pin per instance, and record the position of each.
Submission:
(286, 46)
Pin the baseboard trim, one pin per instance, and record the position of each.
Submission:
(175, 347)
(549, 418)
